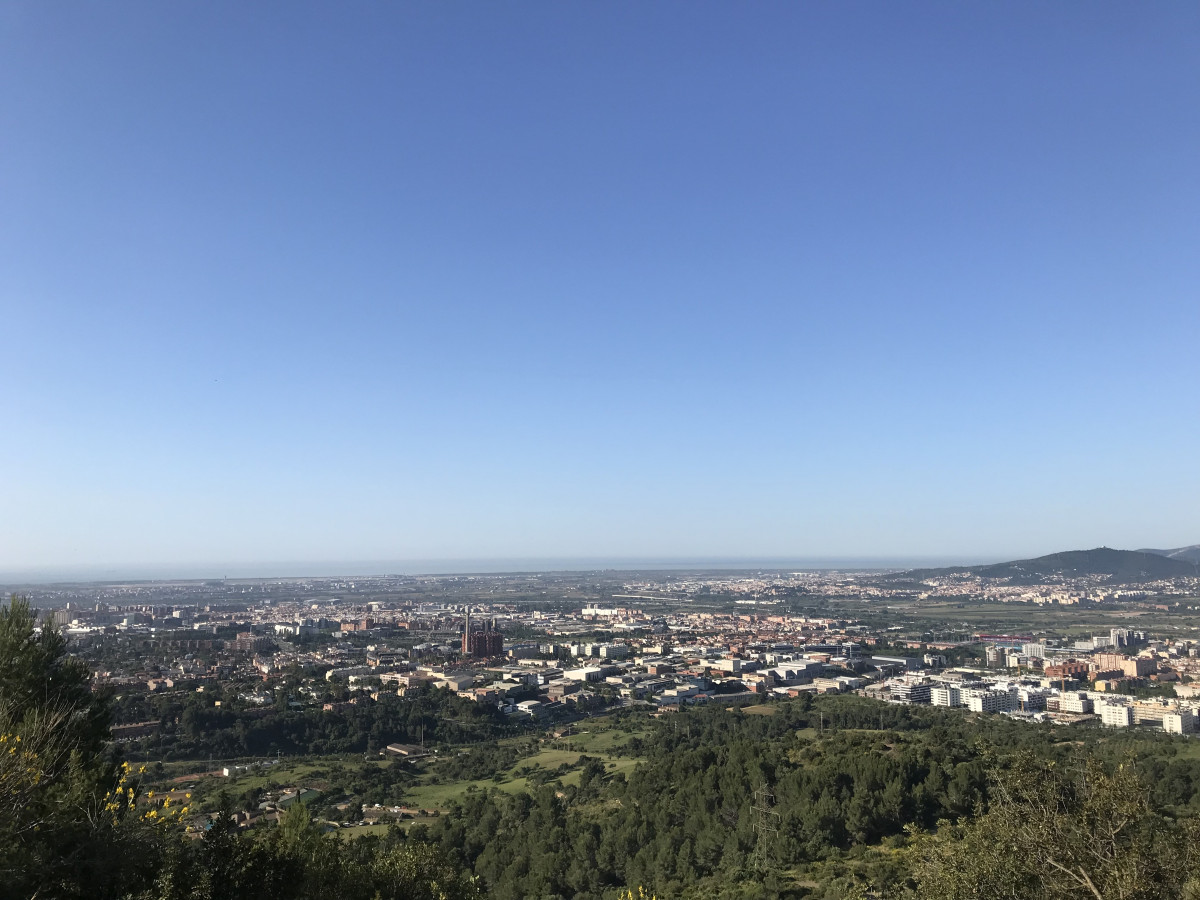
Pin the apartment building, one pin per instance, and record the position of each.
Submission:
(1074, 702)
(989, 701)
(1115, 715)
(1181, 722)
(945, 695)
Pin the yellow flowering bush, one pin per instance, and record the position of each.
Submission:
(20, 767)
(123, 798)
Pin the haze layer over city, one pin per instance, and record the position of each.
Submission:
(662, 451)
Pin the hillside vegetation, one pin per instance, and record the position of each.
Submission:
(864, 795)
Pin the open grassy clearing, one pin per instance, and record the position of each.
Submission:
(624, 765)
(284, 775)
(427, 795)
(285, 770)
(361, 831)
(595, 738)
(551, 758)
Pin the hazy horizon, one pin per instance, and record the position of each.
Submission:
(485, 566)
(366, 569)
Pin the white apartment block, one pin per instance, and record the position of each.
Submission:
(1181, 722)
(988, 701)
(946, 695)
(1115, 715)
(1077, 702)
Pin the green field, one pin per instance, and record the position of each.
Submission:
(284, 774)
(761, 710)
(596, 738)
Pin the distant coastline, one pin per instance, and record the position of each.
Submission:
(464, 566)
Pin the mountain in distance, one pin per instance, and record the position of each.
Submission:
(1187, 554)
(1123, 565)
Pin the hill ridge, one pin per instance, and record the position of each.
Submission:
(1190, 553)
(1121, 565)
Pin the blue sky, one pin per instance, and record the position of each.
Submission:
(373, 281)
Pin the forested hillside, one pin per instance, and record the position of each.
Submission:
(847, 800)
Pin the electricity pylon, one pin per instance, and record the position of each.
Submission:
(766, 829)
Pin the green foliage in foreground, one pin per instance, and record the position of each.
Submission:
(848, 803)
(73, 824)
(298, 861)
(1053, 833)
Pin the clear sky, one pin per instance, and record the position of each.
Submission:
(385, 281)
